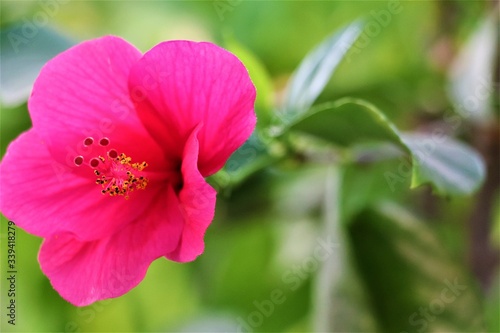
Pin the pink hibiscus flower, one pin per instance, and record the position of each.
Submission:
(112, 173)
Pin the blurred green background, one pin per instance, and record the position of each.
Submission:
(402, 261)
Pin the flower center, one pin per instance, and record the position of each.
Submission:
(115, 172)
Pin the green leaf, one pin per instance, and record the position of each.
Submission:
(250, 158)
(347, 122)
(315, 70)
(472, 72)
(410, 280)
(260, 77)
(450, 167)
(24, 49)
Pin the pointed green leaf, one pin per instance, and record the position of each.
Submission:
(251, 157)
(452, 168)
(472, 72)
(315, 70)
(347, 122)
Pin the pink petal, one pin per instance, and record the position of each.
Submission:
(83, 92)
(178, 85)
(85, 272)
(42, 198)
(197, 200)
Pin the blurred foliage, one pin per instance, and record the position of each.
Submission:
(391, 262)
(28, 47)
(411, 281)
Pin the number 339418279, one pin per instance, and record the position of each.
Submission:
(11, 245)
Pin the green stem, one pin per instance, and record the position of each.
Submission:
(330, 271)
